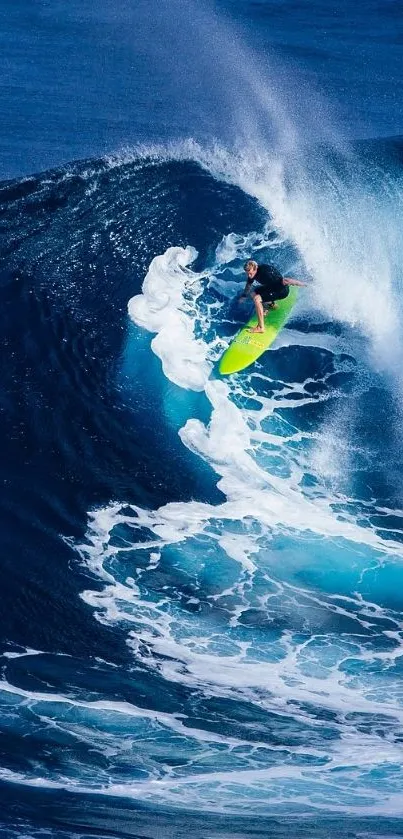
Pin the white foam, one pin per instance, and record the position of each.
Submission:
(251, 776)
(166, 306)
(248, 553)
(182, 650)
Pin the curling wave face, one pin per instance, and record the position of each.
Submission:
(233, 548)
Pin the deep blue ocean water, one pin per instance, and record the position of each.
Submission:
(201, 602)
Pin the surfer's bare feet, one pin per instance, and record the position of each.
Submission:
(256, 329)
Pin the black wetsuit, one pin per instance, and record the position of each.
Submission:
(270, 284)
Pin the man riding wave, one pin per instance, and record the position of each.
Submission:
(271, 286)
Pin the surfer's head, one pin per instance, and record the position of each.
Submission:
(251, 268)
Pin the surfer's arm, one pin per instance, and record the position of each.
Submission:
(248, 286)
(291, 281)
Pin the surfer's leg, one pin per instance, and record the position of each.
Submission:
(269, 301)
(282, 294)
(260, 313)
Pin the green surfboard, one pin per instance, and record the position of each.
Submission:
(247, 346)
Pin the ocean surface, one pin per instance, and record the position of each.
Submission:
(201, 600)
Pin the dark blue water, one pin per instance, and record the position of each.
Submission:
(79, 79)
(201, 610)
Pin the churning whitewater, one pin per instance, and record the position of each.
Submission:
(274, 609)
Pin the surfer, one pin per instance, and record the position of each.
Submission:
(272, 286)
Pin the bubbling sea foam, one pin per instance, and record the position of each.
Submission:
(271, 597)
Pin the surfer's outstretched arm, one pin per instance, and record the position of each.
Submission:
(291, 281)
